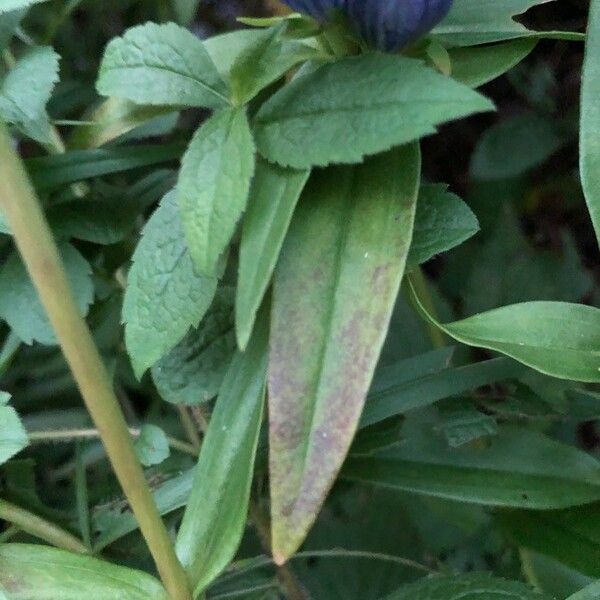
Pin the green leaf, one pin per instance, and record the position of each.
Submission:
(481, 64)
(185, 10)
(551, 576)
(215, 517)
(51, 172)
(20, 306)
(273, 197)
(165, 296)
(555, 338)
(518, 467)
(400, 394)
(358, 106)
(590, 118)
(8, 23)
(591, 592)
(26, 89)
(161, 65)
(8, 5)
(571, 536)
(114, 523)
(485, 21)
(225, 48)
(152, 445)
(334, 290)
(213, 185)
(114, 118)
(443, 221)
(266, 61)
(13, 437)
(466, 587)
(30, 572)
(514, 146)
(192, 373)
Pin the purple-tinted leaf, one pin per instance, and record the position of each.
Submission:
(334, 290)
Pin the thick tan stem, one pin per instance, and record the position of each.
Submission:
(40, 254)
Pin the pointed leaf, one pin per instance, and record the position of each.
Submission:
(165, 296)
(358, 106)
(443, 221)
(20, 305)
(590, 118)
(29, 572)
(485, 21)
(213, 185)
(334, 290)
(555, 338)
(215, 517)
(161, 64)
(26, 89)
(13, 437)
(264, 62)
(273, 198)
(519, 467)
(466, 587)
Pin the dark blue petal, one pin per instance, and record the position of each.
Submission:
(385, 24)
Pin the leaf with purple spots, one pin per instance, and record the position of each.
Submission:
(334, 290)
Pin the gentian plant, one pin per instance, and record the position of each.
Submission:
(229, 248)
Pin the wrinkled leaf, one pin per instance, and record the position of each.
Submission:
(213, 185)
(161, 65)
(165, 296)
(355, 107)
(193, 371)
(20, 306)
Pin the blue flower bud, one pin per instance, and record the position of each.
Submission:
(385, 24)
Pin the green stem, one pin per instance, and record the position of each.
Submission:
(34, 239)
(69, 435)
(40, 528)
(9, 533)
(421, 285)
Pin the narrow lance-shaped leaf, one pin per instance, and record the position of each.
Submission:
(518, 467)
(161, 64)
(466, 587)
(29, 572)
(590, 118)
(555, 338)
(213, 185)
(216, 513)
(273, 198)
(359, 106)
(164, 296)
(334, 290)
